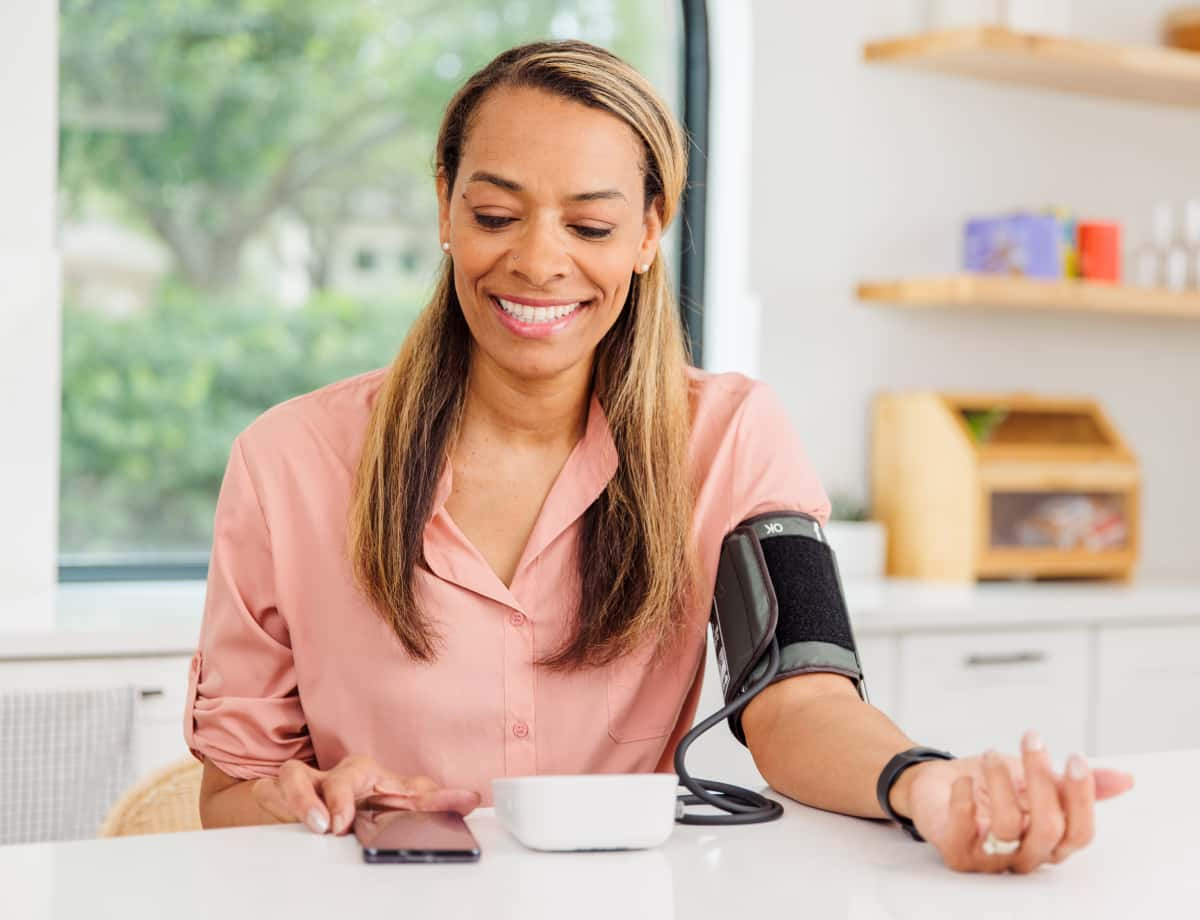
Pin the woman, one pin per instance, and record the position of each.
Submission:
(496, 557)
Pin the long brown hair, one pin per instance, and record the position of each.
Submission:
(636, 566)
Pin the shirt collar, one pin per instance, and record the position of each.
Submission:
(589, 468)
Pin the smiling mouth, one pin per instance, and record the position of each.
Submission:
(534, 315)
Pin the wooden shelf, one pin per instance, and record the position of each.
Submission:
(1030, 294)
(1145, 73)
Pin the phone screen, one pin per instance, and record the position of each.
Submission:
(415, 836)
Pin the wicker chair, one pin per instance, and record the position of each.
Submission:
(162, 803)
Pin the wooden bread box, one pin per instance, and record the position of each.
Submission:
(1002, 485)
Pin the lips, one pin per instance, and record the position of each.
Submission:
(536, 322)
(530, 313)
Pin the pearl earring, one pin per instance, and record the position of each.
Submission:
(445, 246)
(643, 268)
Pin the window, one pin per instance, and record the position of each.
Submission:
(230, 174)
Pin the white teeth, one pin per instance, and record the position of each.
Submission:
(528, 314)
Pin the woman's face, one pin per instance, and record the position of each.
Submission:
(546, 224)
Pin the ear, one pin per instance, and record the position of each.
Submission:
(443, 196)
(652, 232)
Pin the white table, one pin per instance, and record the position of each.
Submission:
(810, 864)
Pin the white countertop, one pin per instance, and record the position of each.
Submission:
(163, 618)
(904, 606)
(108, 619)
(1145, 862)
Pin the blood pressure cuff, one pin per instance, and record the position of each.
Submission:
(777, 579)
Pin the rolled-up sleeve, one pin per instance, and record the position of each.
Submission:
(243, 710)
(771, 469)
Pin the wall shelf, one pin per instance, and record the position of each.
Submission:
(1143, 73)
(1030, 294)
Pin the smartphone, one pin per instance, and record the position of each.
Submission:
(389, 836)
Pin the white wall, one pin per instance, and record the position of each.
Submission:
(866, 171)
(29, 313)
(855, 172)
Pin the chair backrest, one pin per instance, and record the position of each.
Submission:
(65, 756)
(162, 803)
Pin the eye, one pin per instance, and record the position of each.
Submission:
(592, 233)
(492, 221)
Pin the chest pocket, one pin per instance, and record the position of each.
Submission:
(645, 696)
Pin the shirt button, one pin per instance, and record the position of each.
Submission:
(520, 729)
(516, 619)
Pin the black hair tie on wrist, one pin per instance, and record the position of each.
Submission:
(891, 773)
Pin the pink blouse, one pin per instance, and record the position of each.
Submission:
(293, 663)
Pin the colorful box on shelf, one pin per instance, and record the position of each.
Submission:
(1050, 245)
(1025, 245)
(1099, 244)
(974, 486)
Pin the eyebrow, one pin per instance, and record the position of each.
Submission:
(510, 185)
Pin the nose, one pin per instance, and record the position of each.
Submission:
(539, 255)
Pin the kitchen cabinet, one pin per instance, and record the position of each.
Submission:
(967, 692)
(1147, 689)
(1100, 668)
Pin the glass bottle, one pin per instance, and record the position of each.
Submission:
(1172, 251)
(1149, 269)
(1191, 236)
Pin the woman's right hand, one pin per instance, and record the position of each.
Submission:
(326, 800)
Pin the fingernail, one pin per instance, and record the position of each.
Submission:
(1077, 767)
(317, 822)
(1032, 742)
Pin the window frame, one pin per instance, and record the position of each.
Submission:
(695, 197)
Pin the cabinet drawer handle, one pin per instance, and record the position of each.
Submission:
(150, 693)
(977, 661)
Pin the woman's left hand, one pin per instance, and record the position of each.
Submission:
(957, 805)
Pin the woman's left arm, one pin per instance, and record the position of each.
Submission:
(815, 741)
